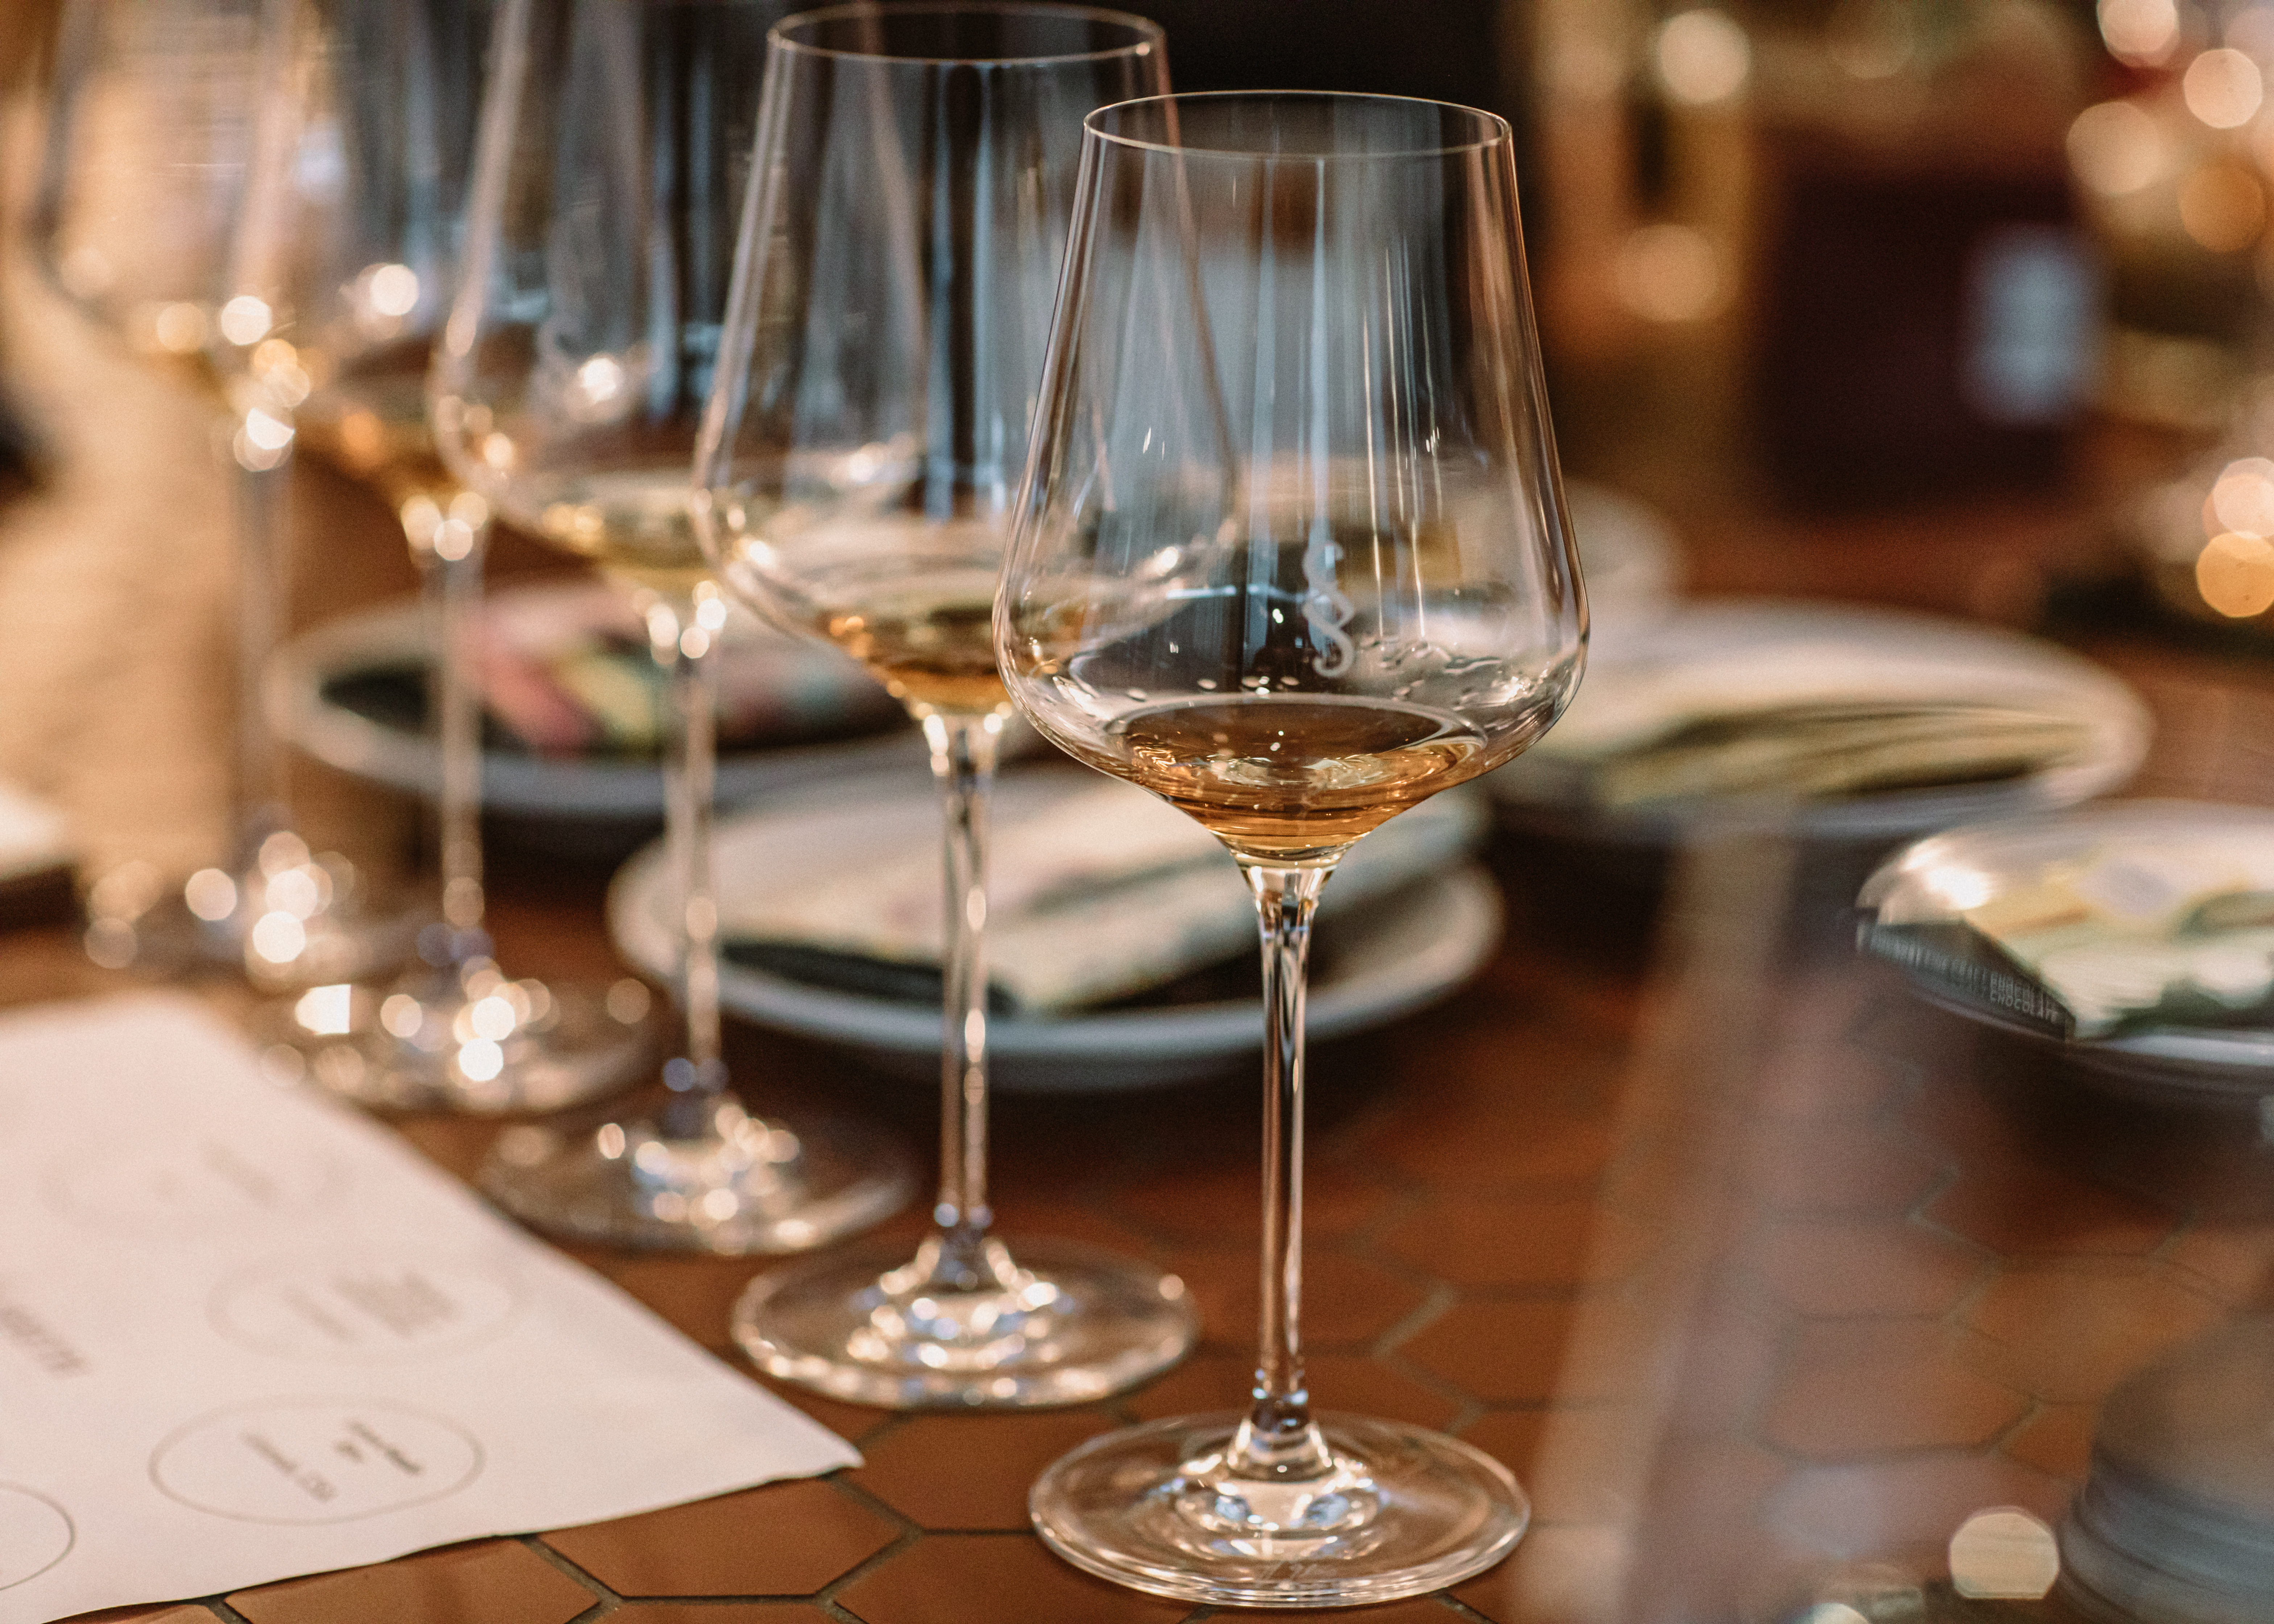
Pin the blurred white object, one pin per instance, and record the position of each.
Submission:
(34, 837)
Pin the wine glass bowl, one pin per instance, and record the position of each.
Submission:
(866, 437)
(1290, 553)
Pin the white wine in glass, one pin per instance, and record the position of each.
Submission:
(1291, 554)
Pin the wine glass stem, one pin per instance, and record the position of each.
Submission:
(683, 647)
(263, 590)
(963, 750)
(450, 575)
(1278, 1440)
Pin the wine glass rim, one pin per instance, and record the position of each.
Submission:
(1496, 131)
(1149, 35)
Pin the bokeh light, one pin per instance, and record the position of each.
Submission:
(1702, 57)
(1667, 273)
(2223, 205)
(2235, 575)
(2116, 147)
(2142, 33)
(2223, 87)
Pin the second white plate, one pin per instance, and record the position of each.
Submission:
(1549, 794)
(1378, 961)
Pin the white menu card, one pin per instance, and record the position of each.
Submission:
(246, 1334)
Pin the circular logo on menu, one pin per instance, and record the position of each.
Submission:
(315, 1460)
(364, 1304)
(35, 1534)
(196, 1184)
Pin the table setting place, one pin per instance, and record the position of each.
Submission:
(1028, 578)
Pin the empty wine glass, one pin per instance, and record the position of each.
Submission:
(615, 139)
(906, 226)
(153, 123)
(1291, 554)
(350, 251)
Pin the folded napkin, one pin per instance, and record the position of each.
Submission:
(1809, 721)
(2123, 939)
(1098, 892)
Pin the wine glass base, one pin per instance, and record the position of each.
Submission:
(419, 1044)
(1408, 1511)
(760, 1187)
(138, 922)
(1065, 1325)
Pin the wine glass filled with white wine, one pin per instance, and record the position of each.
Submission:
(614, 152)
(1291, 554)
(915, 165)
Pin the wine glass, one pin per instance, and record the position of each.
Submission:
(152, 126)
(350, 252)
(906, 221)
(615, 138)
(1291, 554)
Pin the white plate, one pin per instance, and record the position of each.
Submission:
(1547, 793)
(1381, 960)
(2230, 1062)
(587, 787)
(1632, 562)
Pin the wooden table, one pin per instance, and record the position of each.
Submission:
(1761, 1276)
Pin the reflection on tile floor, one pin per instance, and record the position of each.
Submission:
(1761, 1312)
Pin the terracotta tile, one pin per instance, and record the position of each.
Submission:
(1221, 1204)
(1579, 1464)
(1656, 1179)
(2069, 1334)
(1705, 1547)
(1820, 1077)
(2057, 1440)
(1864, 1386)
(1346, 1300)
(2024, 1210)
(1464, 1127)
(1729, 1355)
(1556, 1575)
(2234, 1262)
(456, 1144)
(784, 1539)
(1872, 1510)
(695, 1294)
(1211, 1380)
(1021, 1215)
(1423, 1610)
(1881, 1266)
(1514, 1353)
(1953, 1112)
(711, 1613)
(496, 1581)
(994, 1579)
(1480, 1241)
(1842, 1167)
(971, 1471)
